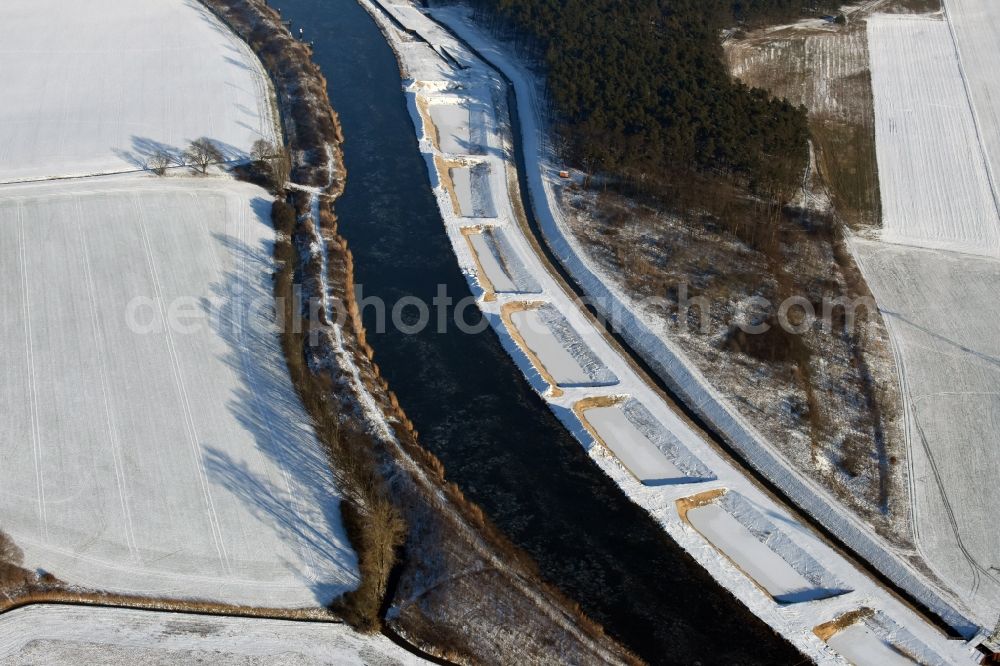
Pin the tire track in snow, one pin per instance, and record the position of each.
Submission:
(116, 446)
(36, 439)
(973, 563)
(190, 427)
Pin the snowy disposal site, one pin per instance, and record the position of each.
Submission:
(635, 436)
(937, 104)
(153, 443)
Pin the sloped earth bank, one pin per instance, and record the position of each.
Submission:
(475, 411)
(460, 590)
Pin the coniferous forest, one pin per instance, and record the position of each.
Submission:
(639, 88)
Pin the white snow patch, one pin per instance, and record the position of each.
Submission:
(863, 647)
(645, 446)
(941, 312)
(761, 563)
(560, 348)
(472, 187)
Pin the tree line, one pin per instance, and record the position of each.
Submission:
(639, 88)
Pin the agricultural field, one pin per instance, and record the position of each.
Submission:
(976, 28)
(101, 86)
(939, 308)
(824, 67)
(934, 120)
(944, 198)
(112, 636)
(155, 444)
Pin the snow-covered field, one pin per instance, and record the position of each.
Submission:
(976, 27)
(872, 639)
(116, 636)
(98, 86)
(454, 136)
(475, 79)
(863, 647)
(935, 180)
(472, 188)
(761, 563)
(937, 102)
(752, 540)
(153, 443)
(942, 314)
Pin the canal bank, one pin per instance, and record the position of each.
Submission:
(473, 408)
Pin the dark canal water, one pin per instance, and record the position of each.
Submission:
(472, 407)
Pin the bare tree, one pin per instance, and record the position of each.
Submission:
(159, 161)
(261, 151)
(281, 170)
(271, 161)
(201, 153)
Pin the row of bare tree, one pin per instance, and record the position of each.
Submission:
(268, 161)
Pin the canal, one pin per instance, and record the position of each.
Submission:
(473, 408)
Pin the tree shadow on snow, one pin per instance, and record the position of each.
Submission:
(301, 502)
(144, 149)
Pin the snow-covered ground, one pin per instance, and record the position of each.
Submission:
(761, 563)
(872, 639)
(937, 139)
(472, 187)
(153, 443)
(98, 86)
(863, 647)
(941, 311)
(116, 636)
(499, 263)
(644, 445)
(789, 538)
(559, 348)
(935, 182)
(976, 28)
